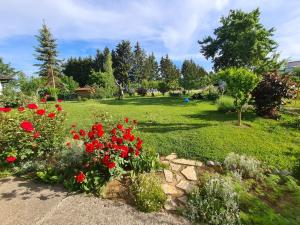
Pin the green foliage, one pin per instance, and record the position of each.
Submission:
(246, 166)
(105, 84)
(240, 82)
(68, 87)
(138, 62)
(147, 162)
(169, 73)
(242, 41)
(147, 192)
(271, 92)
(122, 62)
(162, 87)
(212, 94)
(151, 69)
(47, 53)
(215, 203)
(192, 75)
(7, 70)
(225, 104)
(50, 176)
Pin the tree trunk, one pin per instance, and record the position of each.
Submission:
(239, 117)
(52, 75)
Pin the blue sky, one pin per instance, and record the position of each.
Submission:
(161, 26)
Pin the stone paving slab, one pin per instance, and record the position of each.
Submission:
(24, 202)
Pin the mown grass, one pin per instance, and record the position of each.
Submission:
(196, 129)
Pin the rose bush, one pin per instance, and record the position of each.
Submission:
(34, 131)
(108, 151)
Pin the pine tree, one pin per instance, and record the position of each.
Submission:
(139, 57)
(47, 53)
(151, 69)
(98, 61)
(122, 62)
(169, 73)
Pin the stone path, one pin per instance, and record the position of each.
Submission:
(179, 179)
(24, 202)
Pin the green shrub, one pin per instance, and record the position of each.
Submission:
(142, 91)
(147, 162)
(215, 203)
(225, 104)
(147, 192)
(247, 166)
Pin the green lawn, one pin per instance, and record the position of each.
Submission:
(197, 130)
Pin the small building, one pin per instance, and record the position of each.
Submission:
(3, 80)
(84, 91)
(291, 66)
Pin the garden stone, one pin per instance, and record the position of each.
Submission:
(178, 177)
(218, 164)
(210, 163)
(168, 176)
(165, 162)
(189, 173)
(169, 189)
(171, 156)
(186, 186)
(170, 205)
(182, 199)
(175, 167)
(187, 162)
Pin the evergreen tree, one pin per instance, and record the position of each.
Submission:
(46, 53)
(169, 73)
(151, 69)
(122, 63)
(7, 70)
(192, 75)
(139, 57)
(98, 61)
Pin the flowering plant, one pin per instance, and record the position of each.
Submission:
(29, 132)
(108, 151)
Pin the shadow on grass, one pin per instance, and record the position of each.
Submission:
(154, 127)
(212, 115)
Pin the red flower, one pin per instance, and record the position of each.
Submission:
(36, 135)
(100, 133)
(5, 109)
(91, 135)
(126, 120)
(124, 151)
(32, 106)
(41, 112)
(76, 136)
(57, 105)
(68, 144)
(27, 126)
(114, 131)
(59, 109)
(139, 143)
(80, 177)
(137, 152)
(111, 165)
(10, 159)
(120, 127)
(51, 115)
(59, 100)
(89, 147)
(43, 100)
(21, 109)
(106, 161)
(82, 133)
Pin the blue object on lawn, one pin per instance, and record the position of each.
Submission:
(186, 100)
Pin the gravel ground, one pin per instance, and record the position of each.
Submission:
(24, 202)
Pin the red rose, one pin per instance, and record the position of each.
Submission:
(41, 112)
(32, 106)
(126, 120)
(10, 159)
(106, 161)
(111, 165)
(80, 177)
(76, 136)
(59, 109)
(100, 133)
(27, 126)
(82, 133)
(120, 127)
(91, 135)
(21, 109)
(43, 100)
(137, 152)
(59, 100)
(114, 131)
(6, 109)
(89, 147)
(36, 135)
(124, 151)
(51, 115)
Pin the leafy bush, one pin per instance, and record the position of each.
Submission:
(175, 94)
(213, 93)
(270, 93)
(108, 151)
(225, 104)
(142, 91)
(147, 192)
(198, 96)
(247, 166)
(34, 132)
(147, 162)
(215, 203)
(162, 87)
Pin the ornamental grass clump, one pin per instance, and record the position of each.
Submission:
(31, 132)
(215, 203)
(147, 192)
